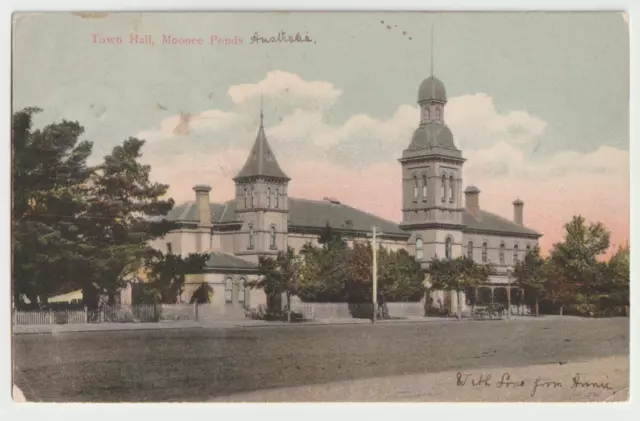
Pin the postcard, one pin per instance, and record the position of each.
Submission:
(320, 207)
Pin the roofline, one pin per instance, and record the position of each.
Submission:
(238, 178)
(429, 156)
(225, 270)
(501, 233)
(353, 232)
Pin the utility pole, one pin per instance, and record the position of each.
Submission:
(375, 276)
(508, 293)
(374, 272)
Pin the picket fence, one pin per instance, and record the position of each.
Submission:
(139, 313)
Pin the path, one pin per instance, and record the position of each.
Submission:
(443, 387)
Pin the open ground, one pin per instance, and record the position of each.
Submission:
(220, 363)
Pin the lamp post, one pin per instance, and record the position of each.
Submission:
(509, 292)
(374, 270)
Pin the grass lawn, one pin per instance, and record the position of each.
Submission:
(199, 364)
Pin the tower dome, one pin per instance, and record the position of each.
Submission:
(432, 135)
(432, 89)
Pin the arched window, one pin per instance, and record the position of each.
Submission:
(246, 198)
(438, 113)
(515, 254)
(253, 198)
(228, 290)
(447, 248)
(484, 253)
(273, 237)
(276, 199)
(251, 236)
(419, 249)
(502, 247)
(451, 189)
(444, 187)
(268, 197)
(415, 187)
(425, 188)
(470, 250)
(242, 291)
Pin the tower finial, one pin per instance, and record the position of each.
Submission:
(261, 114)
(431, 49)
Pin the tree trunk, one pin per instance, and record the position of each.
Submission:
(537, 307)
(288, 308)
(459, 312)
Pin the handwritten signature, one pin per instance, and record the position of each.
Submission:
(485, 380)
(282, 37)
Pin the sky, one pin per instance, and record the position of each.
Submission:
(538, 102)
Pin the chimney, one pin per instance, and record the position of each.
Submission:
(518, 207)
(472, 200)
(202, 204)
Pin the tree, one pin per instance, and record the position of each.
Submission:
(279, 275)
(616, 287)
(202, 295)
(167, 273)
(321, 278)
(400, 277)
(50, 172)
(331, 240)
(530, 275)
(457, 275)
(576, 271)
(124, 213)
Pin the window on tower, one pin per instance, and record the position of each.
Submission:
(444, 187)
(276, 199)
(424, 188)
(447, 248)
(438, 113)
(451, 189)
(253, 198)
(251, 237)
(268, 197)
(272, 244)
(228, 290)
(470, 250)
(415, 187)
(246, 198)
(419, 249)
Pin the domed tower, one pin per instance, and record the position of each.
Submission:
(432, 180)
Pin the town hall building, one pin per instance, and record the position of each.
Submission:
(439, 217)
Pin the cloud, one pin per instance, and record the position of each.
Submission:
(476, 123)
(286, 87)
(355, 160)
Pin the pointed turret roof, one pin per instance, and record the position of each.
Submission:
(261, 161)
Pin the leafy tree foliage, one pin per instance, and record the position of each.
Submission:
(167, 273)
(202, 295)
(457, 275)
(531, 275)
(576, 273)
(123, 215)
(279, 275)
(49, 183)
(76, 226)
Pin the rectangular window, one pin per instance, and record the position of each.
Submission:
(484, 252)
(169, 248)
(228, 291)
